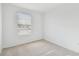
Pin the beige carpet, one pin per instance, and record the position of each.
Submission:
(38, 48)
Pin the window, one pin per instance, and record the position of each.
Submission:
(24, 25)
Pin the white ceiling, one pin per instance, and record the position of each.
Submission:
(41, 7)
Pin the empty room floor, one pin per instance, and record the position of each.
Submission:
(38, 48)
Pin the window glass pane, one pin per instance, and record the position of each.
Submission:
(24, 25)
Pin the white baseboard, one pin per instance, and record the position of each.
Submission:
(24, 42)
(60, 44)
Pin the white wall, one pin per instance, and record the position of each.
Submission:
(62, 26)
(0, 26)
(10, 37)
